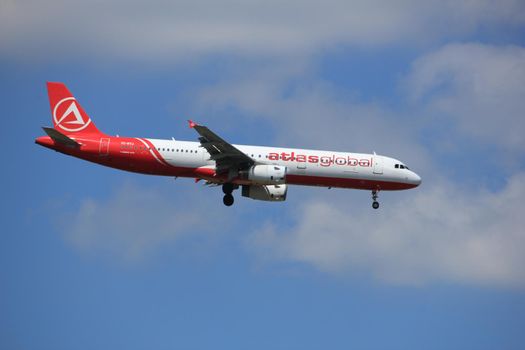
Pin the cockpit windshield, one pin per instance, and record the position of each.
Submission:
(401, 166)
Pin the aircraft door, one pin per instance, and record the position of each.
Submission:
(378, 164)
(104, 147)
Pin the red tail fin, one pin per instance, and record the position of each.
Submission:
(68, 115)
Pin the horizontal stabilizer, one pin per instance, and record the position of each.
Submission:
(57, 136)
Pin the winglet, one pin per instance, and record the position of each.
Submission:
(192, 123)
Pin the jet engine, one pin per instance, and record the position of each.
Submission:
(266, 174)
(270, 193)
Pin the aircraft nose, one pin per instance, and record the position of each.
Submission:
(415, 179)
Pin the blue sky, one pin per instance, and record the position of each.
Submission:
(92, 257)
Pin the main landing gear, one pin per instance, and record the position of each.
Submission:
(375, 203)
(228, 188)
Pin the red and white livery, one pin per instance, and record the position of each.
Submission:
(262, 173)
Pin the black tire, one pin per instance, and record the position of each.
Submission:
(228, 200)
(227, 188)
(375, 205)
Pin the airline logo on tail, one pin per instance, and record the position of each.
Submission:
(67, 116)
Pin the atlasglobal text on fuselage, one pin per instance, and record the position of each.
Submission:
(262, 173)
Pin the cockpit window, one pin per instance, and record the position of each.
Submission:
(401, 166)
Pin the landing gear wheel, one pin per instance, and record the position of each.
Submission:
(375, 203)
(228, 200)
(227, 188)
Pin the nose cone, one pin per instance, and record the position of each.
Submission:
(415, 179)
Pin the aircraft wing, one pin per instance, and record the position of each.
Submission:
(228, 158)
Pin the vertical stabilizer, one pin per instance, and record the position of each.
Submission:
(68, 115)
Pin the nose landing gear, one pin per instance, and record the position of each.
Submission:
(375, 203)
(228, 200)
(227, 189)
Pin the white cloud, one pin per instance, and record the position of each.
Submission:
(134, 222)
(479, 87)
(473, 91)
(175, 30)
(440, 234)
(307, 112)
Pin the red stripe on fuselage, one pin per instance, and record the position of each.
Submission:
(153, 149)
(359, 184)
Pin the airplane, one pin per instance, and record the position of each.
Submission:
(262, 173)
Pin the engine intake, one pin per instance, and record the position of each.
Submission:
(270, 193)
(266, 174)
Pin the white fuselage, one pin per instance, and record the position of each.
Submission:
(303, 163)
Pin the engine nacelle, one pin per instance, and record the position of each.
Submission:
(271, 193)
(266, 174)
